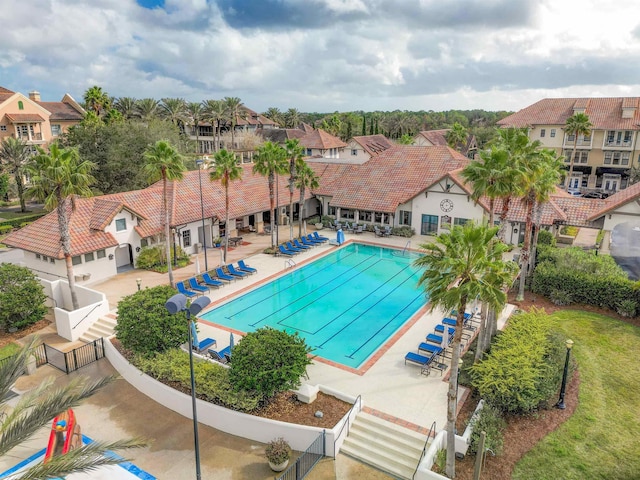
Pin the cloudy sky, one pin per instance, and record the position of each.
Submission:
(325, 55)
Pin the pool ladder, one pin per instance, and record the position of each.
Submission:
(289, 263)
(406, 247)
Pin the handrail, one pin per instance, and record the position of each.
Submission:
(406, 247)
(289, 263)
(424, 450)
(347, 422)
(88, 313)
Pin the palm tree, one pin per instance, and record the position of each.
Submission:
(162, 161)
(274, 113)
(174, 109)
(147, 108)
(97, 100)
(306, 178)
(126, 106)
(195, 112)
(577, 124)
(14, 155)
(214, 113)
(57, 178)
(270, 161)
(457, 137)
(225, 169)
(234, 111)
(462, 265)
(35, 409)
(294, 153)
(542, 173)
(292, 118)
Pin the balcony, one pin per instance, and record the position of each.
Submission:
(568, 143)
(34, 137)
(617, 144)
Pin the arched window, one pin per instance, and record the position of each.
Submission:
(20, 105)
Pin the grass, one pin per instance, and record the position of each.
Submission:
(11, 215)
(9, 349)
(600, 440)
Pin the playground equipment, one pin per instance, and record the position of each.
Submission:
(65, 435)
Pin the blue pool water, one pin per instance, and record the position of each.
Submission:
(345, 305)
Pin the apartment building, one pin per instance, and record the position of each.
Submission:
(603, 158)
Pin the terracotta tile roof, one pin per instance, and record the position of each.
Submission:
(604, 113)
(617, 200)
(373, 144)
(387, 180)
(61, 111)
(24, 117)
(579, 210)
(321, 140)
(281, 135)
(6, 91)
(305, 127)
(436, 137)
(254, 118)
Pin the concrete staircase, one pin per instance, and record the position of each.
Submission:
(384, 445)
(104, 327)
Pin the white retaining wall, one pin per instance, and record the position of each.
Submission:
(236, 423)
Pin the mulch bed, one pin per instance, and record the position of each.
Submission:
(15, 337)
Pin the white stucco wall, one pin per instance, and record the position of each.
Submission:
(98, 269)
(629, 212)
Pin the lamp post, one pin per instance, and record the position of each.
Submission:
(175, 258)
(199, 163)
(138, 282)
(178, 303)
(560, 404)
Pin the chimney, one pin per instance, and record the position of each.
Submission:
(34, 95)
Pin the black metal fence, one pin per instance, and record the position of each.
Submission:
(68, 361)
(305, 463)
(38, 352)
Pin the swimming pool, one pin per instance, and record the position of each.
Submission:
(346, 304)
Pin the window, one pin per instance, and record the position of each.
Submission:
(55, 130)
(365, 216)
(52, 260)
(77, 260)
(186, 238)
(20, 105)
(445, 222)
(460, 221)
(616, 158)
(144, 243)
(88, 257)
(354, 152)
(308, 152)
(45, 258)
(101, 253)
(582, 156)
(331, 211)
(543, 132)
(552, 133)
(37, 256)
(121, 224)
(405, 217)
(3, 128)
(347, 213)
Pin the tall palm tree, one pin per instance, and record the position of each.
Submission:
(542, 175)
(195, 112)
(147, 108)
(226, 169)
(271, 160)
(96, 100)
(306, 178)
(162, 161)
(14, 155)
(234, 112)
(126, 106)
(274, 113)
(294, 153)
(457, 137)
(577, 124)
(57, 178)
(292, 118)
(174, 109)
(36, 408)
(463, 264)
(214, 113)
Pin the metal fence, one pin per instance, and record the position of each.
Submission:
(38, 352)
(67, 361)
(305, 463)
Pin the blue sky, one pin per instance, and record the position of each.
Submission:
(326, 55)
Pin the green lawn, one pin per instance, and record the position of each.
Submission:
(602, 438)
(9, 349)
(10, 215)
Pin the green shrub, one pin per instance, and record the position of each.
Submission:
(490, 421)
(21, 297)
(405, 231)
(16, 222)
(268, 361)
(313, 220)
(212, 380)
(5, 229)
(327, 220)
(560, 297)
(520, 373)
(627, 308)
(545, 237)
(155, 258)
(144, 324)
(569, 230)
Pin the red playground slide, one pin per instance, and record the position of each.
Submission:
(65, 435)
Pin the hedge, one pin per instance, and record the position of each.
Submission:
(17, 222)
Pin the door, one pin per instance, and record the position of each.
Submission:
(575, 182)
(429, 225)
(611, 184)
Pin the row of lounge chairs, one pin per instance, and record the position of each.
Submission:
(297, 246)
(193, 288)
(434, 350)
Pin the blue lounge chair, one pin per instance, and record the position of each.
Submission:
(308, 243)
(434, 338)
(193, 283)
(187, 293)
(297, 243)
(211, 282)
(235, 272)
(431, 349)
(440, 329)
(285, 251)
(320, 238)
(205, 344)
(223, 276)
(289, 246)
(312, 240)
(246, 268)
(449, 321)
(416, 358)
(216, 356)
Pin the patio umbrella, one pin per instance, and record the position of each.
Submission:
(194, 335)
(445, 338)
(340, 237)
(197, 265)
(231, 342)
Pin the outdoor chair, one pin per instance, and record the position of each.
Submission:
(211, 282)
(429, 348)
(289, 246)
(204, 345)
(387, 231)
(308, 243)
(193, 283)
(312, 240)
(319, 238)
(236, 273)
(216, 356)
(297, 244)
(246, 268)
(187, 293)
(422, 360)
(359, 229)
(378, 232)
(223, 276)
(284, 251)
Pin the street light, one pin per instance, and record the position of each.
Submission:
(138, 282)
(178, 303)
(199, 163)
(560, 404)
